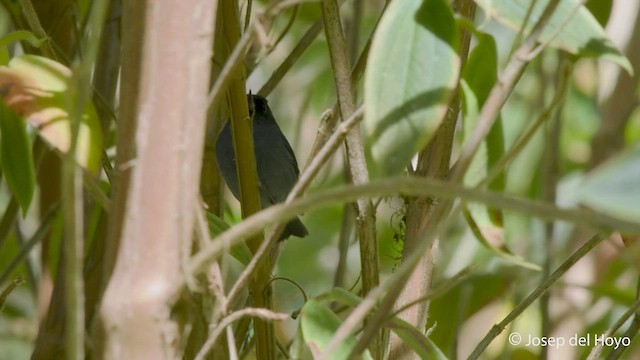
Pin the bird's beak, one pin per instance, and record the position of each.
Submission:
(252, 106)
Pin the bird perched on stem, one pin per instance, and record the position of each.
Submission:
(275, 161)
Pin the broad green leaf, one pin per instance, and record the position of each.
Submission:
(36, 90)
(17, 160)
(319, 324)
(411, 73)
(572, 27)
(240, 251)
(614, 187)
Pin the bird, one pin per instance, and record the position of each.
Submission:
(275, 161)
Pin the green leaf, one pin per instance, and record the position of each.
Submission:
(240, 251)
(21, 35)
(601, 10)
(36, 90)
(319, 324)
(485, 56)
(576, 32)
(481, 69)
(415, 339)
(411, 73)
(614, 187)
(412, 337)
(492, 237)
(13, 37)
(469, 296)
(16, 157)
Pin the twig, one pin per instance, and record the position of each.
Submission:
(541, 289)
(253, 312)
(5, 293)
(410, 187)
(34, 23)
(45, 225)
(500, 92)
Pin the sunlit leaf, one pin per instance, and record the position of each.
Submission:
(411, 73)
(319, 324)
(17, 160)
(572, 27)
(35, 88)
(614, 187)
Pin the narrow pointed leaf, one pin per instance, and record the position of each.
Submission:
(16, 157)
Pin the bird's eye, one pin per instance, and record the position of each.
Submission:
(260, 106)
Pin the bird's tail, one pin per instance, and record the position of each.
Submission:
(295, 227)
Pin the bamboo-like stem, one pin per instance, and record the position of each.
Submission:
(366, 229)
(72, 180)
(247, 177)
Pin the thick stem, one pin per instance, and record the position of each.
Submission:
(260, 294)
(165, 42)
(433, 162)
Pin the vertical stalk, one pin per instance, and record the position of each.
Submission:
(260, 295)
(433, 162)
(72, 203)
(355, 153)
(509, 76)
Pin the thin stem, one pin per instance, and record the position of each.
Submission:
(34, 23)
(498, 96)
(539, 291)
(631, 332)
(45, 225)
(407, 186)
(355, 152)
(253, 312)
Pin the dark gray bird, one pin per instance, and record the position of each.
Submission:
(275, 161)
